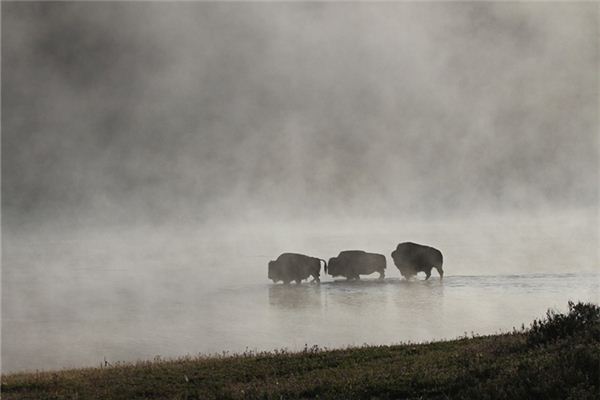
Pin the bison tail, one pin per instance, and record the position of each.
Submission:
(324, 265)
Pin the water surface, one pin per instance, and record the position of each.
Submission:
(72, 302)
(82, 328)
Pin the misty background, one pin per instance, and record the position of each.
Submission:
(156, 156)
(129, 113)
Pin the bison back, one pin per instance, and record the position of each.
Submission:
(358, 262)
(292, 266)
(417, 255)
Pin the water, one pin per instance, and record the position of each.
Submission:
(129, 296)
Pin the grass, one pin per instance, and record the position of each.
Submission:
(557, 358)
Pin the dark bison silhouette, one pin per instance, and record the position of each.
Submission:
(411, 258)
(353, 263)
(295, 267)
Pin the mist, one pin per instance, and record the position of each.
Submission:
(157, 152)
(171, 113)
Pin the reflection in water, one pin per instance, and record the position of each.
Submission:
(295, 296)
(70, 302)
(386, 311)
(420, 295)
(356, 296)
(141, 320)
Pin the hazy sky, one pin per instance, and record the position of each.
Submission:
(173, 112)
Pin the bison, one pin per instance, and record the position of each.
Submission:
(353, 263)
(411, 258)
(295, 267)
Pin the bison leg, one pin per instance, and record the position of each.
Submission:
(381, 275)
(408, 276)
(427, 274)
(298, 281)
(316, 279)
(441, 272)
(286, 282)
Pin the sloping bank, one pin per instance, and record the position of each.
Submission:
(558, 357)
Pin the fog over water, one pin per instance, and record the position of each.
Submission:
(156, 156)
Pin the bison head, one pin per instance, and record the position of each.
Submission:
(394, 255)
(273, 271)
(333, 266)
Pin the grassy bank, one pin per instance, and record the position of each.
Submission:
(558, 357)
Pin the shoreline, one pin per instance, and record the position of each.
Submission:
(554, 358)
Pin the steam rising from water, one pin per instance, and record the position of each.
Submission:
(155, 156)
(171, 112)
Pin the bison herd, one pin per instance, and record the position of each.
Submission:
(410, 258)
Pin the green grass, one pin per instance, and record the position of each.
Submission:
(555, 364)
